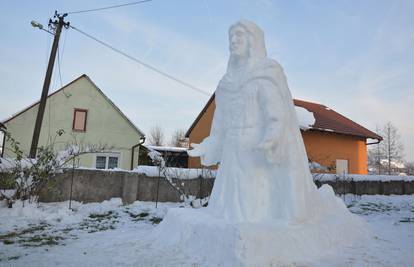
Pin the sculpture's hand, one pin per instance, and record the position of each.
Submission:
(197, 151)
(267, 144)
(268, 147)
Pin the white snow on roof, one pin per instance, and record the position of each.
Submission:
(167, 148)
(306, 119)
(179, 173)
(357, 177)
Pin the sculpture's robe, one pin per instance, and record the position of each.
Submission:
(256, 183)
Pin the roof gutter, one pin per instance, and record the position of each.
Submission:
(142, 140)
(374, 143)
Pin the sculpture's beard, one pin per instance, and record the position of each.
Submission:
(237, 63)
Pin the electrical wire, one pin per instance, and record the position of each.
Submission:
(47, 50)
(64, 43)
(60, 73)
(60, 58)
(142, 63)
(108, 7)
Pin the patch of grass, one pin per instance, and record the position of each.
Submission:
(33, 236)
(8, 235)
(67, 230)
(49, 242)
(43, 240)
(101, 216)
(350, 205)
(139, 216)
(6, 238)
(370, 208)
(99, 222)
(8, 242)
(41, 227)
(33, 239)
(407, 220)
(155, 220)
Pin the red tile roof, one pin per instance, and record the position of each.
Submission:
(326, 119)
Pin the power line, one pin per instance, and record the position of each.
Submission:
(60, 73)
(108, 7)
(142, 63)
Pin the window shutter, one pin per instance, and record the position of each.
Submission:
(79, 120)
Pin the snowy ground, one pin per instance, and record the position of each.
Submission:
(109, 234)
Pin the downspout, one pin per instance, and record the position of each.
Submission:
(142, 140)
(3, 145)
(375, 143)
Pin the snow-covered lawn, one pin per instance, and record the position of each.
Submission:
(110, 234)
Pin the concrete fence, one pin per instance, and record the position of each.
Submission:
(97, 185)
(370, 187)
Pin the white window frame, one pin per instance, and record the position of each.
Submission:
(107, 155)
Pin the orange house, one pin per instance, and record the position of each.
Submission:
(334, 141)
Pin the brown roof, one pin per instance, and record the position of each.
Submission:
(326, 119)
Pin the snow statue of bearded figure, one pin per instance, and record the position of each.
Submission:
(264, 208)
(263, 173)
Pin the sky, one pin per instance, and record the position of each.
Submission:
(355, 57)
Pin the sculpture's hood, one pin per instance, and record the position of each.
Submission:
(267, 69)
(258, 65)
(257, 48)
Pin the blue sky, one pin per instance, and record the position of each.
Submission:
(356, 57)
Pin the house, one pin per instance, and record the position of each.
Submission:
(87, 117)
(334, 141)
(173, 156)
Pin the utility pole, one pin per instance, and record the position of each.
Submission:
(57, 25)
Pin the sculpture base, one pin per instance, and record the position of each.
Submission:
(208, 241)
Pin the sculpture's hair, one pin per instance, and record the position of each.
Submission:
(256, 42)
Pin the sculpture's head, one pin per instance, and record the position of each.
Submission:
(246, 40)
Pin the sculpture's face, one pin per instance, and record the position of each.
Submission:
(239, 45)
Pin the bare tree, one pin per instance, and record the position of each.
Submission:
(389, 153)
(156, 136)
(409, 168)
(178, 139)
(375, 156)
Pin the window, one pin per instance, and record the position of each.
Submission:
(79, 120)
(101, 162)
(107, 161)
(112, 162)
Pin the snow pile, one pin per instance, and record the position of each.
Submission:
(326, 177)
(306, 119)
(268, 243)
(10, 163)
(24, 213)
(127, 244)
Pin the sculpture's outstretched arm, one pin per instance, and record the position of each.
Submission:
(210, 149)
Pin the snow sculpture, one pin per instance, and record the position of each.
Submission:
(264, 172)
(264, 208)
